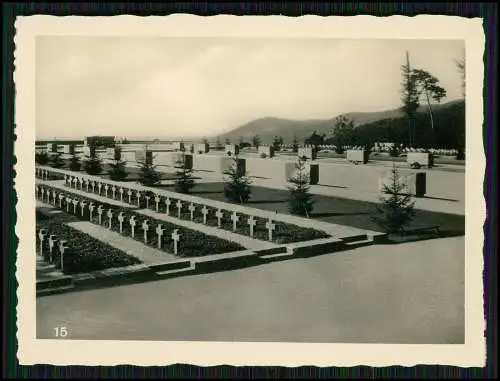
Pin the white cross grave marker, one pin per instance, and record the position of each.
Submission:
(82, 206)
(147, 201)
(120, 220)
(99, 212)
(106, 188)
(68, 201)
(138, 194)
(52, 243)
(91, 210)
(61, 197)
(157, 201)
(176, 237)
(167, 205)
(99, 187)
(132, 223)
(192, 208)
(204, 211)
(43, 193)
(113, 190)
(62, 249)
(145, 228)
(159, 232)
(235, 218)
(110, 218)
(270, 227)
(251, 222)
(75, 204)
(219, 216)
(74, 182)
(129, 193)
(93, 186)
(41, 236)
(179, 207)
(54, 197)
(121, 194)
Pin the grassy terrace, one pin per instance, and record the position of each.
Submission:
(86, 253)
(331, 209)
(192, 243)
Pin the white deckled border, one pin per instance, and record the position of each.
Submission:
(72, 352)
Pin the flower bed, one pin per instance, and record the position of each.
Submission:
(282, 234)
(192, 243)
(85, 252)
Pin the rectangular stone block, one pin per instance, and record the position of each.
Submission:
(178, 146)
(201, 148)
(422, 158)
(413, 183)
(69, 149)
(360, 156)
(52, 147)
(227, 162)
(268, 151)
(144, 156)
(306, 152)
(232, 148)
(311, 170)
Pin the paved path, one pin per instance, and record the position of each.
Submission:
(410, 293)
(146, 254)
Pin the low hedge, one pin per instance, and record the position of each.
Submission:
(193, 243)
(85, 253)
(283, 233)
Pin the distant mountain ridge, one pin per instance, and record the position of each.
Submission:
(268, 127)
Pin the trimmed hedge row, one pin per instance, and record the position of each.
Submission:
(283, 233)
(192, 243)
(85, 252)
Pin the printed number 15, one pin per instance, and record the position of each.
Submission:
(61, 331)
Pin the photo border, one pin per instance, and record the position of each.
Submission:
(489, 131)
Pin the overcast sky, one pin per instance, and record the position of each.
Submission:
(166, 87)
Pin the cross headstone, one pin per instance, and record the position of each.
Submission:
(74, 181)
(219, 216)
(157, 201)
(121, 194)
(93, 186)
(204, 211)
(179, 207)
(87, 184)
(251, 222)
(61, 197)
(121, 218)
(106, 188)
(167, 206)
(192, 208)
(75, 204)
(54, 197)
(37, 191)
(41, 236)
(52, 243)
(113, 191)
(99, 212)
(145, 228)
(43, 193)
(270, 227)
(132, 223)
(147, 201)
(48, 196)
(176, 237)
(91, 210)
(129, 193)
(68, 202)
(235, 218)
(82, 207)
(67, 179)
(63, 247)
(138, 195)
(159, 232)
(99, 187)
(110, 218)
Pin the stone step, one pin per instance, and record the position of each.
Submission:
(355, 238)
(184, 270)
(355, 244)
(278, 255)
(169, 266)
(54, 283)
(54, 290)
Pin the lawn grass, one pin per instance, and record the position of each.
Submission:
(85, 253)
(332, 209)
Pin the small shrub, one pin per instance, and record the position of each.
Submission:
(56, 161)
(415, 165)
(300, 200)
(74, 164)
(237, 187)
(42, 158)
(263, 155)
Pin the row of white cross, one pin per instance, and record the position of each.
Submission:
(270, 226)
(74, 181)
(53, 243)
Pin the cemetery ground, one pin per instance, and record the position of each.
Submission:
(411, 293)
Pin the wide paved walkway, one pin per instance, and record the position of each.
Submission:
(410, 293)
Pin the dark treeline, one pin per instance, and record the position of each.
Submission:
(449, 130)
(62, 142)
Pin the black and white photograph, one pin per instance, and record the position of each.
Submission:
(197, 187)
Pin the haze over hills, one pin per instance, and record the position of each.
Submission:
(268, 127)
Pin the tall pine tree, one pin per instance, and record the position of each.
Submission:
(184, 181)
(300, 199)
(56, 160)
(74, 163)
(93, 164)
(238, 184)
(117, 170)
(396, 208)
(147, 173)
